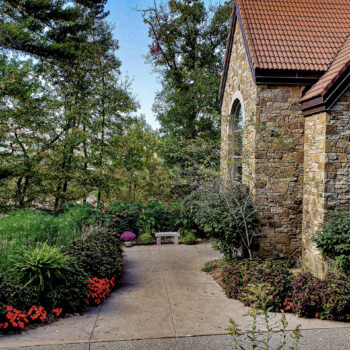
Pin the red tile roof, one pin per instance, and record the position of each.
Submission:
(294, 34)
(338, 66)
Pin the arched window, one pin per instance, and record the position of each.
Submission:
(237, 140)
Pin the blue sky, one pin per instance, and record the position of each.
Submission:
(132, 34)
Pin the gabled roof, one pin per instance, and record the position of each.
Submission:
(289, 41)
(294, 34)
(335, 71)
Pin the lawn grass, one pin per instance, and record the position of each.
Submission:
(27, 227)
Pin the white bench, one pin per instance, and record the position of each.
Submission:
(159, 236)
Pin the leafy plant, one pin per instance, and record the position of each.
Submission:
(189, 238)
(159, 216)
(238, 277)
(226, 214)
(328, 298)
(40, 266)
(125, 216)
(44, 275)
(210, 265)
(333, 238)
(262, 339)
(146, 238)
(99, 255)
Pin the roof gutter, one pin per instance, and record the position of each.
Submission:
(326, 102)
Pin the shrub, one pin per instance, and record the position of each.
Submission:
(334, 238)
(189, 238)
(160, 216)
(69, 292)
(128, 236)
(46, 276)
(146, 238)
(125, 216)
(239, 276)
(99, 255)
(39, 266)
(312, 297)
(12, 293)
(224, 214)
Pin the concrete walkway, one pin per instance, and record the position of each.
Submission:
(164, 299)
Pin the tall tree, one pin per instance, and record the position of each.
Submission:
(188, 44)
(59, 111)
(55, 29)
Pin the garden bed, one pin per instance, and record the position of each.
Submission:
(54, 275)
(299, 293)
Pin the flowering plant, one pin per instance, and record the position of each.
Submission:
(128, 236)
(100, 288)
(17, 319)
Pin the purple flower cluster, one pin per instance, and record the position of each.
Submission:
(127, 236)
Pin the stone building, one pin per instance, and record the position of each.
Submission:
(285, 96)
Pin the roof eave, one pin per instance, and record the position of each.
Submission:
(327, 100)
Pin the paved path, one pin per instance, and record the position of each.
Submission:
(164, 299)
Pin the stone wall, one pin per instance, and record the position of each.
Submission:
(273, 152)
(327, 175)
(279, 170)
(313, 192)
(239, 84)
(337, 172)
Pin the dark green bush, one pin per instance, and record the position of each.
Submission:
(163, 217)
(99, 255)
(44, 276)
(13, 293)
(125, 216)
(239, 275)
(334, 238)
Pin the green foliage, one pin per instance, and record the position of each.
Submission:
(239, 275)
(44, 275)
(333, 238)
(210, 265)
(39, 266)
(188, 42)
(22, 228)
(256, 338)
(146, 238)
(141, 174)
(159, 216)
(24, 26)
(99, 255)
(218, 212)
(62, 111)
(189, 238)
(125, 216)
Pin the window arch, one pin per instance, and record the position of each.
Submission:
(236, 130)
